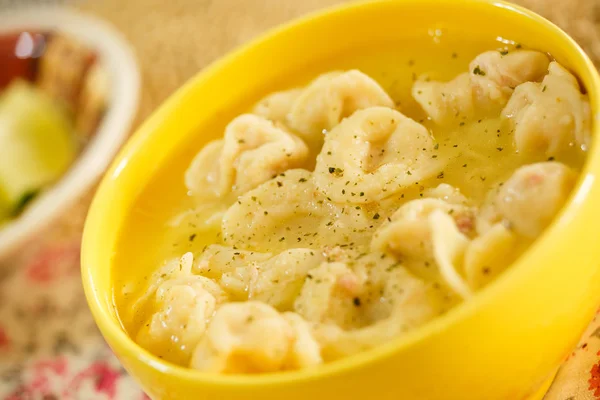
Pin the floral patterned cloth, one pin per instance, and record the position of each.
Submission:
(49, 345)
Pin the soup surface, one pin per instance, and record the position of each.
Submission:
(356, 201)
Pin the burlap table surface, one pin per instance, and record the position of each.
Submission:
(49, 345)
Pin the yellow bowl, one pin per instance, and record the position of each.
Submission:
(504, 344)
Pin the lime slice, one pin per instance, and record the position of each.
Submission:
(5, 206)
(36, 143)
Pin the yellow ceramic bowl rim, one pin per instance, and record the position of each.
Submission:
(108, 188)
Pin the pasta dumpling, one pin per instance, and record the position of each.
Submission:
(306, 351)
(217, 260)
(179, 267)
(489, 255)
(289, 209)
(373, 154)
(411, 303)
(507, 71)
(184, 307)
(332, 97)
(328, 293)
(408, 233)
(276, 281)
(252, 220)
(533, 195)
(551, 116)
(252, 337)
(253, 150)
(449, 247)
(487, 86)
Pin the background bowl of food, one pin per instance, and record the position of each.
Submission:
(68, 95)
(401, 210)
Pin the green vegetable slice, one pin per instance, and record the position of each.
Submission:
(36, 144)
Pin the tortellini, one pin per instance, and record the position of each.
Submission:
(411, 303)
(507, 71)
(185, 305)
(373, 154)
(487, 86)
(449, 247)
(252, 337)
(217, 260)
(533, 195)
(289, 210)
(276, 281)
(290, 197)
(253, 150)
(429, 229)
(329, 293)
(551, 116)
(489, 255)
(408, 233)
(331, 98)
(323, 104)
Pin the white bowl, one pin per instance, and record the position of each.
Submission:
(118, 60)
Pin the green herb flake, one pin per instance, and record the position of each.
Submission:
(478, 71)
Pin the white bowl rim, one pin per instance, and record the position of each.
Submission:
(117, 58)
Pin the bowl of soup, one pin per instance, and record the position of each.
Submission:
(389, 199)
